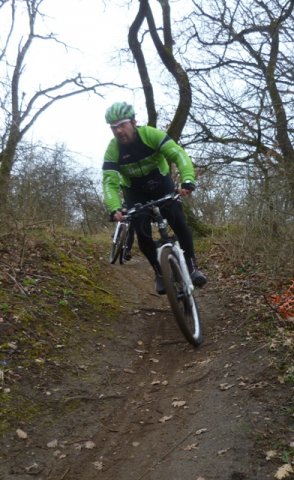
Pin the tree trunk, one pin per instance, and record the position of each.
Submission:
(177, 71)
(136, 49)
(6, 163)
(165, 52)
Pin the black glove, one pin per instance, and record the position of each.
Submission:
(188, 186)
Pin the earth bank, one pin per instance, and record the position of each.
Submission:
(98, 382)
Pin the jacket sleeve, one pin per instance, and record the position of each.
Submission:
(111, 178)
(177, 155)
(172, 153)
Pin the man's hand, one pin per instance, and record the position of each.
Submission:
(186, 189)
(184, 192)
(117, 216)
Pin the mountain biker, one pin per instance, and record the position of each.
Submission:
(140, 155)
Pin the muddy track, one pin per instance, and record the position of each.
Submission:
(152, 407)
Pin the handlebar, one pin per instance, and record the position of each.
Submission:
(139, 207)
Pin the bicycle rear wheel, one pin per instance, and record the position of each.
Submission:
(182, 302)
(118, 242)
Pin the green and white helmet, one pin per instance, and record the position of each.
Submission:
(119, 111)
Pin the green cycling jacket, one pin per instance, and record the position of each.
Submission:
(130, 165)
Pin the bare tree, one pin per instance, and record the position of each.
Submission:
(242, 84)
(19, 113)
(233, 63)
(47, 187)
(164, 49)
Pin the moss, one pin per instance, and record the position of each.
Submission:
(4, 307)
(66, 299)
(15, 408)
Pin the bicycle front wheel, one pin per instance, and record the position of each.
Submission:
(124, 247)
(182, 302)
(118, 242)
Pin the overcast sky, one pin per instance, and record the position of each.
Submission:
(95, 32)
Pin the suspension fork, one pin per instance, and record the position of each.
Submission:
(116, 232)
(179, 253)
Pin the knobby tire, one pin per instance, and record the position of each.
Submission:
(184, 306)
(124, 247)
(118, 244)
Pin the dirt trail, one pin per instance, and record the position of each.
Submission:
(146, 405)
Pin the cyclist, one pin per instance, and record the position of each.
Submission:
(141, 155)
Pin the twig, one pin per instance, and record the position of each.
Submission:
(104, 291)
(64, 474)
(260, 348)
(41, 276)
(150, 309)
(85, 398)
(16, 283)
(12, 277)
(155, 464)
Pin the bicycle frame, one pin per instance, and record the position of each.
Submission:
(174, 245)
(153, 205)
(177, 279)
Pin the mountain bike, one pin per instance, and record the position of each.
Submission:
(119, 244)
(177, 281)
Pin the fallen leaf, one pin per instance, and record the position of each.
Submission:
(98, 465)
(165, 418)
(201, 430)
(178, 403)
(21, 434)
(284, 471)
(33, 469)
(222, 452)
(261, 384)
(193, 446)
(270, 454)
(89, 445)
(225, 386)
(189, 365)
(39, 360)
(52, 444)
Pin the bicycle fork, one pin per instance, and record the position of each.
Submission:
(114, 238)
(179, 254)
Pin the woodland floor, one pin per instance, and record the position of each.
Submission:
(141, 403)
